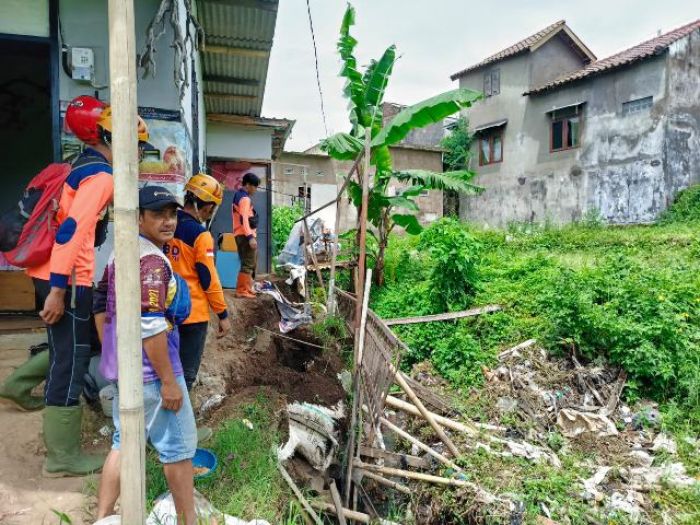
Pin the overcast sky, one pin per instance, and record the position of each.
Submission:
(435, 38)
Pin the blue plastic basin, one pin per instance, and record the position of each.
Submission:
(204, 457)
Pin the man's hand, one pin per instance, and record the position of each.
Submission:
(54, 306)
(253, 243)
(171, 394)
(224, 327)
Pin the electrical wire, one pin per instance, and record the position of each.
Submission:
(318, 74)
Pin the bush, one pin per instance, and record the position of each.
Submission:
(283, 218)
(685, 208)
(454, 253)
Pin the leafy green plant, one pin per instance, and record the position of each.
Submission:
(685, 208)
(62, 517)
(457, 145)
(365, 92)
(283, 219)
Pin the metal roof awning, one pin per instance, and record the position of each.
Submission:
(566, 106)
(490, 125)
(236, 54)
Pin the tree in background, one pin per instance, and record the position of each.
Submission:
(365, 93)
(457, 156)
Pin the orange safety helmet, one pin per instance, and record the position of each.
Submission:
(86, 115)
(105, 122)
(206, 188)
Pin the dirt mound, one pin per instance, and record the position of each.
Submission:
(252, 356)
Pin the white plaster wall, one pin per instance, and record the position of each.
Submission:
(228, 141)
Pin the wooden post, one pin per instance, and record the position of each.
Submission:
(310, 246)
(304, 502)
(338, 503)
(122, 73)
(386, 482)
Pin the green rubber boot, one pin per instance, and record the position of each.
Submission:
(17, 388)
(62, 440)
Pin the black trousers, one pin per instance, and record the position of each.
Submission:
(192, 339)
(69, 346)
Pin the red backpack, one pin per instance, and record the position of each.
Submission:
(28, 231)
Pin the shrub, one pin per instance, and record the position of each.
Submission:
(454, 253)
(283, 218)
(685, 208)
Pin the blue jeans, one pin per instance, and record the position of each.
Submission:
(172, 434)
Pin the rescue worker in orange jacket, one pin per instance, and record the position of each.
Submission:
(245, 224)
(63, 285)
(191, 254)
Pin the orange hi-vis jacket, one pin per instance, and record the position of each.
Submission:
(191, 254)
(88, 190)
(242, 213)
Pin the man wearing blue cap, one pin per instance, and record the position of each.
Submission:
(169, 418)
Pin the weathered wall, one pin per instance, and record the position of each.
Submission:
(427, 136)
(628, 167)
(319, 170)
(551, 60)
(681, 161)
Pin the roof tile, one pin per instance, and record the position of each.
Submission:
(646, 49)
(519, 47)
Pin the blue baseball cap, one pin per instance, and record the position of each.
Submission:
(156, 198)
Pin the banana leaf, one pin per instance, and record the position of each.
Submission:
(342, 146)
(354, 88)
(408, 222)
(430, 111)
(450, 180)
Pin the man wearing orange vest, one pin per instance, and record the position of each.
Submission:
(64, 285)
(191, 254)
(245, 224)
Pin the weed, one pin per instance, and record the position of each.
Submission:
(246, 484)
(62, 517)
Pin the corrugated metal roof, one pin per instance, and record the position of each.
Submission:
(641, 51)
(239, 35)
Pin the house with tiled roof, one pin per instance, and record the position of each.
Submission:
(561, 135)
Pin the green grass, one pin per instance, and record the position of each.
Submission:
(246, 483)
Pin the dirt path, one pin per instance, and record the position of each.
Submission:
(26, 497)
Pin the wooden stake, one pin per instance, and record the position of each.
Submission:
(442, 317)
(425, 448)
(122, 74)
(400, 404)
(338, 504)
(304, 502)
(427, 415)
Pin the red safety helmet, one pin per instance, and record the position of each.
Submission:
(86, 115)
(82, 117)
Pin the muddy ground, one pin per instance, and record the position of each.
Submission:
(239, 366)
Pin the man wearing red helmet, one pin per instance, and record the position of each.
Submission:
(64, 285)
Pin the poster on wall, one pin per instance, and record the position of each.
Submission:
(167, 163)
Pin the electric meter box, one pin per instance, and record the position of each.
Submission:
(82, 63)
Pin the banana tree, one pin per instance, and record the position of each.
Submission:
(365, 93)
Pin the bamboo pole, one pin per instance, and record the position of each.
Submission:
(307, 234)
(360, 517)
(438, 480)
(359, 287)
(427, 415)
(425, 448)
(338, 504)
(330, 303)
(386, 482)
(304, 502)
(472, 428)
(122, 73)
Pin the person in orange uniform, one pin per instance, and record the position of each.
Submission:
(64, 285)
(191, 254)
(245, 224)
